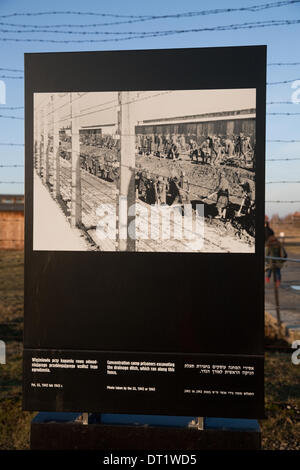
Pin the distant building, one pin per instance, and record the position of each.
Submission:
(296, 219)
(99, 129)
(199, 126)
(11, 222)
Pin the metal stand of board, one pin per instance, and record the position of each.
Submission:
(67, 431)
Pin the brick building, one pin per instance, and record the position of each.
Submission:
(296, 219)
(11, 221)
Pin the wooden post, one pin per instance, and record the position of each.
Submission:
(56, 153)
(75, 159)
(127, 172)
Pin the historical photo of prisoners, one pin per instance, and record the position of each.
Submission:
(147, 171)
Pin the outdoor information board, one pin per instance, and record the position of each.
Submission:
(144, 249)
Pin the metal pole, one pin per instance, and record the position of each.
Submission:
(56, 153)
(127, 172)
(276, 299)
(76, 180)
(37, 139)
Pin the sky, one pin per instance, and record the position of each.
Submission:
(145, 105)
(282, 46)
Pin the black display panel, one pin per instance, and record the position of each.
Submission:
(144, 244)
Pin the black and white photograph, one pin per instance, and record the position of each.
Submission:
(147, 171)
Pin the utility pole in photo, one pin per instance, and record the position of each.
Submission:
(76, 205)
(37, 140)
(56, 153)
(45, 144)
(40, 140)
(127, 196)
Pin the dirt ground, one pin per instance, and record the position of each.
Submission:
(203, 181)
(203, 178)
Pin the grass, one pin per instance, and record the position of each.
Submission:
(14, 423)
(280, 429)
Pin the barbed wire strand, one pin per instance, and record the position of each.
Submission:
(11, 144)
(11, 117)
(251, 8)
(282, 182)
(11, 166)
(281, 64)
(149, 34)
(11, 108)
(10, 76)
(269, 64)
(283, 114)
(281, 159)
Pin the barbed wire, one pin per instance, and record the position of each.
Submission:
(66, 103)
(279, 102)
(289, 141)
(11, 117)
(151, 33)
(279, 64)
(282, 182)
(62, 106)
(281, 159)
(42, 103)
(253, 8)
(96, 105)
(209, 241)
(283, 114)
(11, 144)
(11, 166)
(11, 108)
(269, 64)
(10, 76)
(99, 105)
(115, 106)
(11, 70)
(142, 35)
(283, 82)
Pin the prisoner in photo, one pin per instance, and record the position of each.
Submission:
(149, 171)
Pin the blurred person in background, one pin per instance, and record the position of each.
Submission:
(274, 249)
